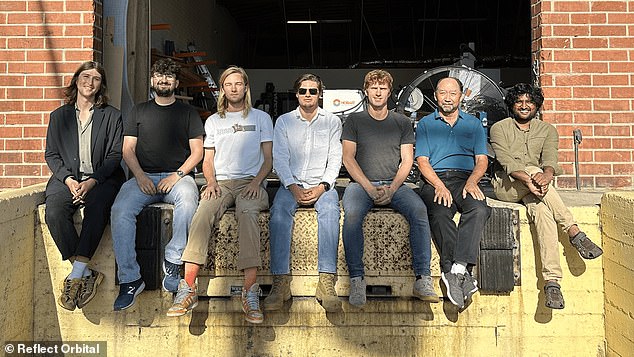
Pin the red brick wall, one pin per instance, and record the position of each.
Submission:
(585, 57)
(584, 52)
(41, 45)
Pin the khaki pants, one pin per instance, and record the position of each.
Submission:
(210, 212)
(544, 214)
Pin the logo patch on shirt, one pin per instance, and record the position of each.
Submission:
(238, 127)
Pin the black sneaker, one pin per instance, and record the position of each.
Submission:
(172, 276)
(128, 293)
(454, 283)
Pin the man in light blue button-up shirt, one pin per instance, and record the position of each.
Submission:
(307, 159)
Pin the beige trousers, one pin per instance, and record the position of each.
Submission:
(210, 212)
(544, 213)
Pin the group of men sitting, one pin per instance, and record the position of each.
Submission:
(163, 140)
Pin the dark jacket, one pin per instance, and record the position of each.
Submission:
(62, 146)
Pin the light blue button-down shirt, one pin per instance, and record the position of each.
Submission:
(307, 152)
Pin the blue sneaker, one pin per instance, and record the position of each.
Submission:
(172, 276)
(128, 293)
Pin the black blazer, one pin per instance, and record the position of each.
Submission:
(62, 146)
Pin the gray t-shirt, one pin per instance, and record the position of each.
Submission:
(378, 142)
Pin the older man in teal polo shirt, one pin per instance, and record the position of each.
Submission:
(451, 154)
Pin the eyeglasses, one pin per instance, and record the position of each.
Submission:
(169, 77)
(312, 91)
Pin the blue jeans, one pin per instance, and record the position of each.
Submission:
(281, 230)
(357, 203)
(130, 202)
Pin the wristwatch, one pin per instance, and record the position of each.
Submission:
(326, 185)
(180, 173)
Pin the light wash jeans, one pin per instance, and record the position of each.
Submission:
(130, 202)
(356, 204)
(281, 230)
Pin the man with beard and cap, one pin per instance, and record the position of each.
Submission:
(162, 144)
(451, 153)
(527, 150)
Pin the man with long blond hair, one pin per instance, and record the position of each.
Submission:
(378, 152)
(238, 157)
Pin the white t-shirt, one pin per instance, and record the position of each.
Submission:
(237, 142)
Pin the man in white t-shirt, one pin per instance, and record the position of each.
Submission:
(238, 157)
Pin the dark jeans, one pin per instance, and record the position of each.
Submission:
(461, 243)
(59, 218)
(356, 205)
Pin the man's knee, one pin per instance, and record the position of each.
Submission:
(187, 206)
(439, 213)
(481, 211)
(118, 209)
(53, 213)
(354, 215)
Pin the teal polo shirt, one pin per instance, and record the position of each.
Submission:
(447, 147)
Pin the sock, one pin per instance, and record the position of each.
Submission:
(458, 268)
(191, 272)
(78, 270)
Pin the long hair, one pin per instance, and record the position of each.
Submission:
(534, 93)
(222, 99)
(101, 97)
(377, 76)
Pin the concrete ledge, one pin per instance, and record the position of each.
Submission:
(511, 324)
(617, 220)
(17, 237)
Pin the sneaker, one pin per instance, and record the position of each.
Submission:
(326, 293)
(357, 291)
(280, 292)
(128, 293)
(70, 289)
(469, 286)
(88, 289)
(251, 304)
(172, 276)
(454, 283)
(424, 289)
(185, 301)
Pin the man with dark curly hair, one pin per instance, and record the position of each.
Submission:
(527, 149)
(162, 143)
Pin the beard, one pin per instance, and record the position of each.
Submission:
(164, 92)
(447, 109)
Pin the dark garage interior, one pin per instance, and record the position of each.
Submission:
(340, 40)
